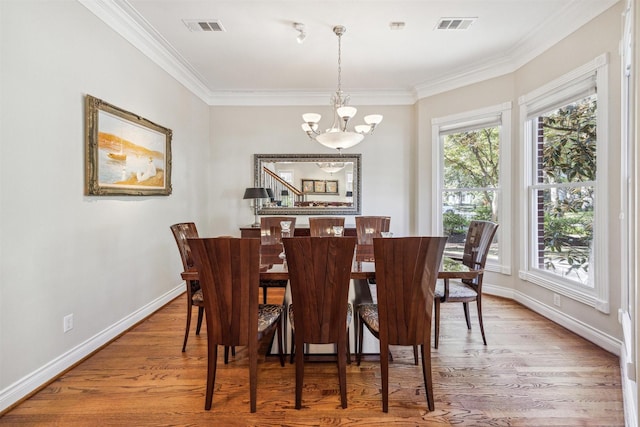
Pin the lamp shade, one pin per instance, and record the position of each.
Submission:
(349, 194)
(270, 193)
(255, 193)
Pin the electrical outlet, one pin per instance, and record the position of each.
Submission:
(556, 300)
(67, 323)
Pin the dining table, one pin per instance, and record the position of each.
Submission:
(273, 266)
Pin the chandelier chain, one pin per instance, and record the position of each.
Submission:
(340, 64)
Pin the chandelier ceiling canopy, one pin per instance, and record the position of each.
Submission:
(337, 136)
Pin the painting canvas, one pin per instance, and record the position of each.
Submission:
(307, 186)
(125, 153)
(332, 187)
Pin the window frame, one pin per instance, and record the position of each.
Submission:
(495, 115)
(561, 91)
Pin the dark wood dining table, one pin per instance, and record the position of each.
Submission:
(273, 266)
(363, 273)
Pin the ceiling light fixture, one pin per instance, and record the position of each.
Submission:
(331, 167)
(337, 136)
(300, 29)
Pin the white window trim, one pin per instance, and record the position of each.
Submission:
(551, 93)
(501, 114)
(628, 168)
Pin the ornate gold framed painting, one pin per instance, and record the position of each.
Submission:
(125, 153)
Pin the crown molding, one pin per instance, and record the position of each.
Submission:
(296, 98)
(126, 21)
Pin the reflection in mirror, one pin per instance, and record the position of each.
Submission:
(309, 184)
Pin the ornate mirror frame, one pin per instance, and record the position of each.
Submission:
(313, 190)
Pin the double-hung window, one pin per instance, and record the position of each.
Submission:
(565, 203)
(471, 166)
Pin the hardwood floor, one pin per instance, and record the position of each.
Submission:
(532, 373)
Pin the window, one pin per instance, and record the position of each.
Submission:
(471, 169)
(565, 205)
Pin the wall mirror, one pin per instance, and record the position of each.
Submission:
(309, 184)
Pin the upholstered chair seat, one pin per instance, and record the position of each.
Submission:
(268, 314)
(456, 290)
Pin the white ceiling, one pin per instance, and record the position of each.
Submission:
(257, 60)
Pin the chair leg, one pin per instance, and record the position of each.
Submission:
(299, 375)
(264, 294)
(479, 304)
(212, 359)
(360, 339)
(348, 348)
(415, 355)
(466, 314)
(426, 373)
(293, 346)
(226, 354)
(253, 374)
(280, 345)
(342, 371)
(436, 309)
(200, 316)
(384, 373)
(186, 332)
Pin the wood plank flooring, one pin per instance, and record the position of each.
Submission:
(532, 373)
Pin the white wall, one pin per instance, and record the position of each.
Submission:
(237, 133)
(104, 259)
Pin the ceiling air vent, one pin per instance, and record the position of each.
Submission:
(200, 25)
(455, 23)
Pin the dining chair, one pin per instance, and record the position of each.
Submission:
(229, 271)
(476, 249)
(181, 232)
(323, 226)
(368, 227)
(319, 275)
(406, 274)
(271, 235)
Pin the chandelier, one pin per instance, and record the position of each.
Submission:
(331, 167)
(337, 136)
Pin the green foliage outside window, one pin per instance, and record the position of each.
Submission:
(569, 157)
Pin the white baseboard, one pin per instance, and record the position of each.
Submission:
(21, 388)
(607, 342)
(629, 389)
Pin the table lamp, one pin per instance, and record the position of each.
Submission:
(255, 193)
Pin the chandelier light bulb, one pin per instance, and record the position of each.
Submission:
(363, 128)
(347, 112)
(311, 117)
(373, 119)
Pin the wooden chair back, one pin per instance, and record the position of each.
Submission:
(323, 226)
(319, 277)
(271, 231)
(406, 274)
(181, 232)
(370, 227)
(476, 247)
(229, 272)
